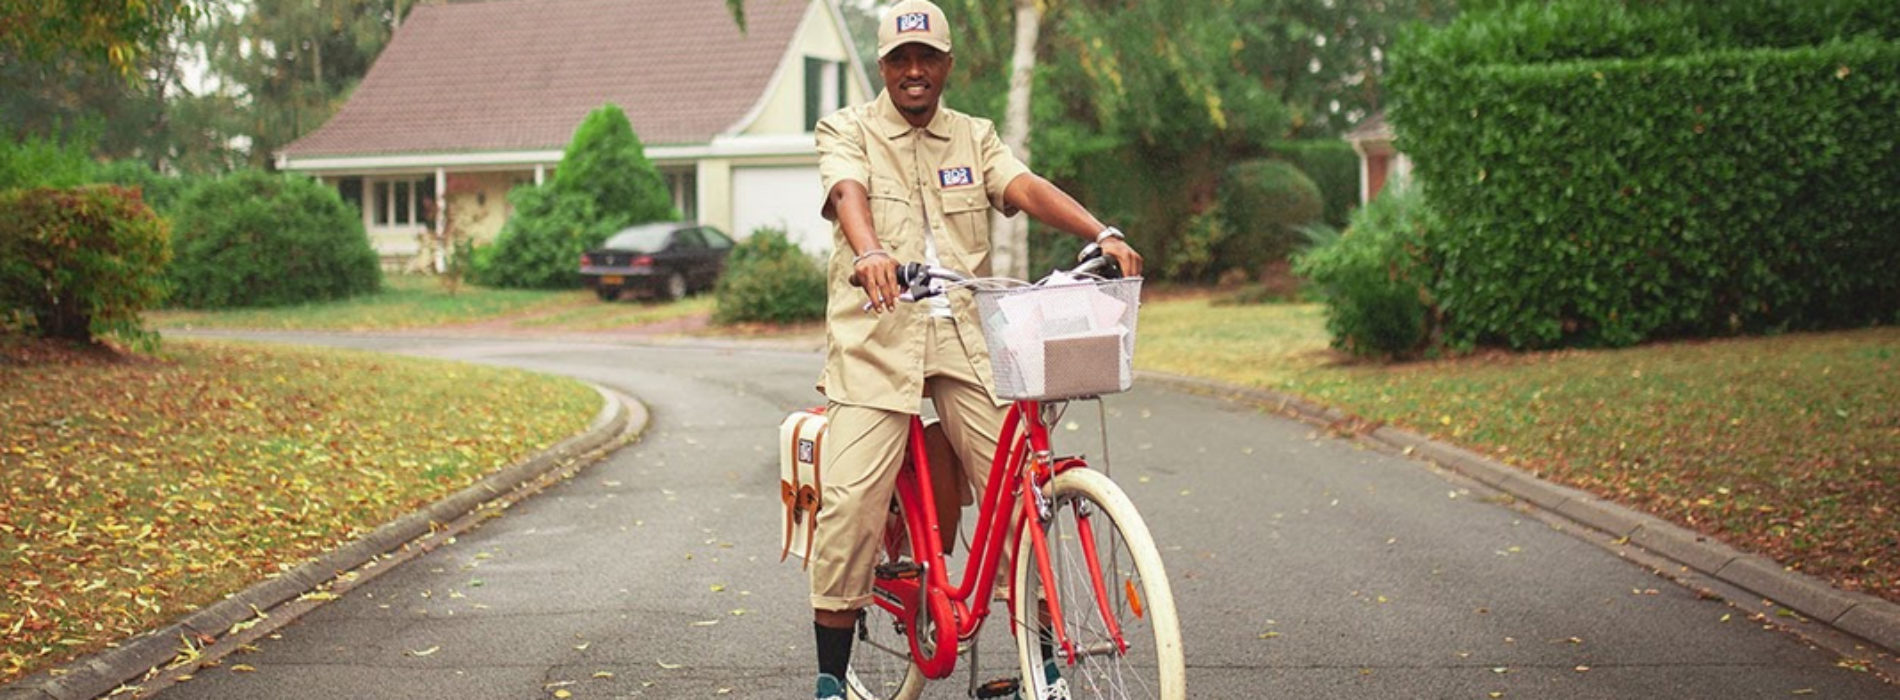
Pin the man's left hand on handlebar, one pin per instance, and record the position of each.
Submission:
(1124, 255)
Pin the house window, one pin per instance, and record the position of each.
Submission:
(402, 203)
(824, 89)
(399, 202)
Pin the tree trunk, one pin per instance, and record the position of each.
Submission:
(1011, 234)
(316, 63)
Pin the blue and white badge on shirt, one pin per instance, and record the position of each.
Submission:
(955, 177)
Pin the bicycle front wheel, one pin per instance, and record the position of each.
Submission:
(1121, 623)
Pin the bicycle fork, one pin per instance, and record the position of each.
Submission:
(1038, 507)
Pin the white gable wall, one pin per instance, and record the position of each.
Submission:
(740, 195)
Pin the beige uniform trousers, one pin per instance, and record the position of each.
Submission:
(863, 450)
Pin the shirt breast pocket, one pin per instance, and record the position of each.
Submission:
(967, 215)
(890, 207)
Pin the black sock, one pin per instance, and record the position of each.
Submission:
(834, 649)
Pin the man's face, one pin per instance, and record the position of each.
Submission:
(915, 74)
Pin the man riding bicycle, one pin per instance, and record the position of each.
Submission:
(906, 179)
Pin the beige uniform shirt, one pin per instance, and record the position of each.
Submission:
(947, 176)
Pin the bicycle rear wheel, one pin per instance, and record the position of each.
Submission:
(881, 668)
(1133, 590)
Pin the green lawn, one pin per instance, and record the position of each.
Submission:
(1788, 445)
(406, 302)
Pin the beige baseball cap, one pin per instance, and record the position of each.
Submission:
(920, 21)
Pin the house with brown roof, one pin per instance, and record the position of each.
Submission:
(1380, 161)
(471, 99)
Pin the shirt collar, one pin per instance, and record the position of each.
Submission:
(894, 125)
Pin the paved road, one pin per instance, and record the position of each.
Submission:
(1305, 567)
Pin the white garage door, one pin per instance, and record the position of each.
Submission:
(785, 197)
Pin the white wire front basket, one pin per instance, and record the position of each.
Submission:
(1061, 340)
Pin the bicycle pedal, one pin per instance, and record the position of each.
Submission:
(899, 570)
(999, 688)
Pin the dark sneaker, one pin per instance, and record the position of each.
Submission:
(829, 687)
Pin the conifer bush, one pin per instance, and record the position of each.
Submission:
(604, 184)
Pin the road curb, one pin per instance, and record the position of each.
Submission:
(1869, 618)
(103, 672)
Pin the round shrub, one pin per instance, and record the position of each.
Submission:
(1334, 167)
(80, 262)
(768, 279)
(257, 239)
(1376, 278)
(1263, 204)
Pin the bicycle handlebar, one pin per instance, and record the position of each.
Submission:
(915, 277)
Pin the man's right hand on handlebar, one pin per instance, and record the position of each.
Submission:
(876, 272)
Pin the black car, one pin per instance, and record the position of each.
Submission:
(670, 260)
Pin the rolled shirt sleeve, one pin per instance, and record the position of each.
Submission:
(1000, 166)
(841, 156)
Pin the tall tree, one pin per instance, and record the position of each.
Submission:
(92, 73)
(1012, 233)
(1324, 59)
(292, 63)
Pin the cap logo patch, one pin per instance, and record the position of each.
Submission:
(955, 177)
(913, 22)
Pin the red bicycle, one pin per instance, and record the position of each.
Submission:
(1089, 603)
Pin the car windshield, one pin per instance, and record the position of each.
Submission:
(647, 239)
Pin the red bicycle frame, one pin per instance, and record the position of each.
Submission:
(1021, 464)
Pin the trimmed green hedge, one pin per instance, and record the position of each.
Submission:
(81, 262)
(1571, 30)
(1609, 201)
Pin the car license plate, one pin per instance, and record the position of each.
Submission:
(612, 279)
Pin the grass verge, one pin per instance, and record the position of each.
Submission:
(138, 488)
(1788, 446)
(407, 301)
